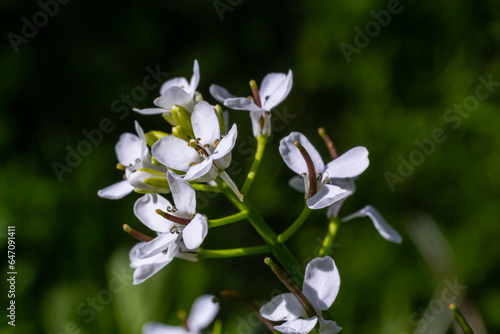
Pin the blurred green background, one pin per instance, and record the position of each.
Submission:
(395, 90)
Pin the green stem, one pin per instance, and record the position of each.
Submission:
(261, 145)
(464, 325)
(233, 252)
(217, 329)
(228, 220)
(279, 250)
(289, 232)
(205, 187)
(330, 236)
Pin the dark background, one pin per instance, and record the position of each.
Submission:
(395, 91)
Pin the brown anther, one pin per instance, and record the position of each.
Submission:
(216, 142)
(191, 164)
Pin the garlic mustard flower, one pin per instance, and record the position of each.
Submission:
(273, 90)
(134, 157)
(180, 229)
(204, 158)
(176, 91)
(301, 157)
(202, 313)
(320, 288)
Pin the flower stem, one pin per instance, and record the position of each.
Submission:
(217, 329)
(233, 252)
(330, 236)
(205, 187)
(279, 250)
(289, 232)
(464, 325)
(261, 145)
(228, 220)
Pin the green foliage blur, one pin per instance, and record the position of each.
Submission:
(71, 253)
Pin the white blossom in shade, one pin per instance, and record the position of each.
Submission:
(321, 286)
(133, 154)
(273, 90)
(203, 158)
(179, 234)
(349, 165)
(202, 313)
(176, 91)
(385, 230)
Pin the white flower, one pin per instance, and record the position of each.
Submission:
(180, 230)
(133, 154)
(176, 91)
(203, 158)
(273, 90)
(349, 165)
(202, 313)
(321, 286)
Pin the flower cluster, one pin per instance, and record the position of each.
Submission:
(193, 154)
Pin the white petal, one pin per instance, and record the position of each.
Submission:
(202, 313)
(195, 232)
(145, 209)
(175, 82)
(195, 79)
(156, 246)
(175, 95)
(270, 83)
(385, 230)
(255, 116)
(183, 193)
(150, 266)
(128, 149)
(350, 187)
(220, 93)
(150, 111)
(283, 307)
(328, 326)
(174, 153)
(321, 283)
(198, 171)
(276, 91)
(299, 326)
(297, 183)
(142, 137)
(241, 103)
(116, 191)
(205, 124)
(292, 156)
(226, 144)
(157, 328)
(350, 164)
(326, 195)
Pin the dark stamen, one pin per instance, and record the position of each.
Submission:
(313, 186)
(136, 234)
(172, 218)
(255, 92)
